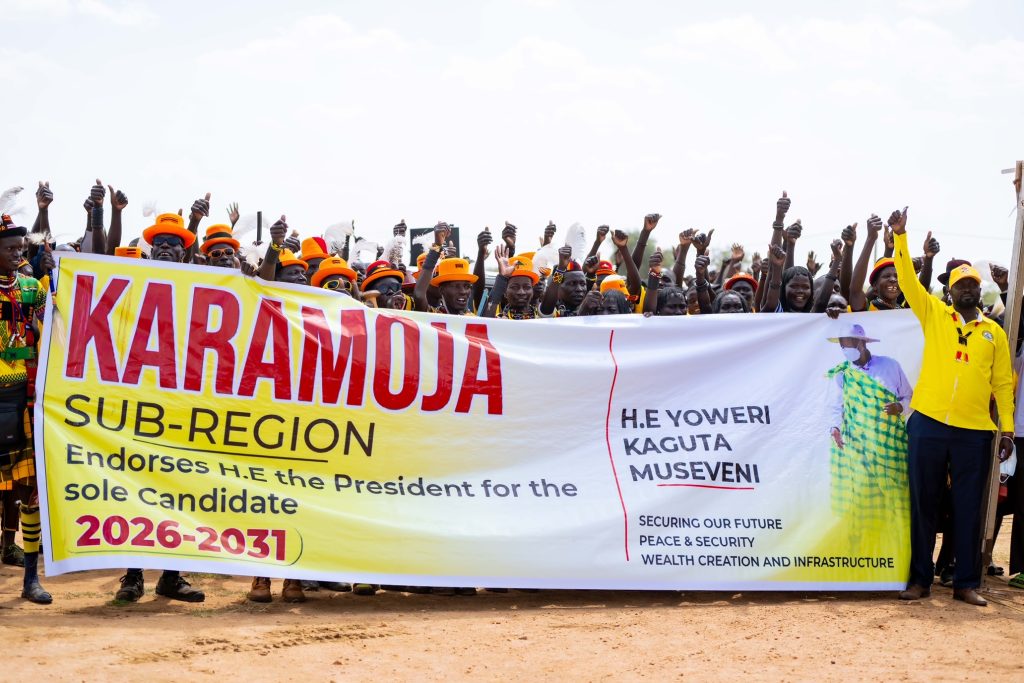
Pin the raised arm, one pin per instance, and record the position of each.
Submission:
(268, 269)
(118, 202)
(781, 209)
(700, 270)
(825, 291)
(419, 292)
(793, 233)
(550, 300)
(200, 210)
(94, 238)
(849, 239)
(44, 197)
(508, 236)
(679, 267)
(931, 249)
(650, 223)
(602, 232)
(858, 302)
(916, 295)
(621, 241)
(777, 263)
(483, 241)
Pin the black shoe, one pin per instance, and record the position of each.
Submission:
(132, 587)
(13, 555)
(33, 592)
(312, 586)
(465, 591)
(177, 588)
(334, 586)
(946, 577)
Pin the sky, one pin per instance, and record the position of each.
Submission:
(481, 112)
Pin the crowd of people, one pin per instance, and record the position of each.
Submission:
(548, 282)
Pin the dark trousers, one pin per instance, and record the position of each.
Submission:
(965, 454)
(1014, 505)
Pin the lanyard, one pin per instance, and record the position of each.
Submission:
(961, 354)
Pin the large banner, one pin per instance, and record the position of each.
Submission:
(192, 418)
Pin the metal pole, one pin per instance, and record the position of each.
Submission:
(1011, 323)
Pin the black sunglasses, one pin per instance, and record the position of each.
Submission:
(168, 240)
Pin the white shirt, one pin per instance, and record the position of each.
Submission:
(882, 368)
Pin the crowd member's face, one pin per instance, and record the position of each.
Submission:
(11, 249)
(294, 274)
(573, 288)
(456, 295)
(609, 306)
(692, 304)
(730, 303)
(519, 292)
(966, 293)
(887, 284)
(798, 292)
(675, 304)
(221, 256)
(314, 265)
(360, 269)
(836, 304)
(388, 288)
(744, 289)
(168, 248)
(538, 291)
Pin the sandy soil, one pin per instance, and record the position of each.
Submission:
(577, 635)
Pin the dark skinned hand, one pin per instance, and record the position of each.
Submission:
(849, 235)
(794, 231)
(602, 232)
(483, 240)
(782, 207)
(508, 235)
(118, 199)
(1000, 276)
(441, 233)
(874, 226)
(898, 221)
(620, 239)
(700, 267)
(233, 214)
(97, 193)
(651, 221)
(812, 264)
(44, 195)
(278, 231)
(46, 262)
(837, 250)
(777, 256)
(590, 264)
(931, 246)
(201, 208)
(702, 241)
(564, 256)
(737, 254)
(549, 233)
(655, 259)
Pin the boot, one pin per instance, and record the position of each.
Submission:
(915, 592)
(132, 586)
(292, 591)
(970, 596)
(13, 555)
(365, 588)
(173, 587)
(260, 591)
(31, 590)
(312, 586)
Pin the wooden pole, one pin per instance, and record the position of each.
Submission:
(1011, 323)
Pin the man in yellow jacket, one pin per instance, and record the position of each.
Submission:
(966, 361)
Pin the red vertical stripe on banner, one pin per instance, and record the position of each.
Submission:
(608, 441)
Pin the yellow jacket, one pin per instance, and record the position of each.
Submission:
(957, 391)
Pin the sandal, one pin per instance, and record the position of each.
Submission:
(1017, 581)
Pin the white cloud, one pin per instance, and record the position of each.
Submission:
(935, 6)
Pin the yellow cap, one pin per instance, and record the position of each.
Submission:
(960, 272)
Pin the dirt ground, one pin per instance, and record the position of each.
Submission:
(548, 635)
